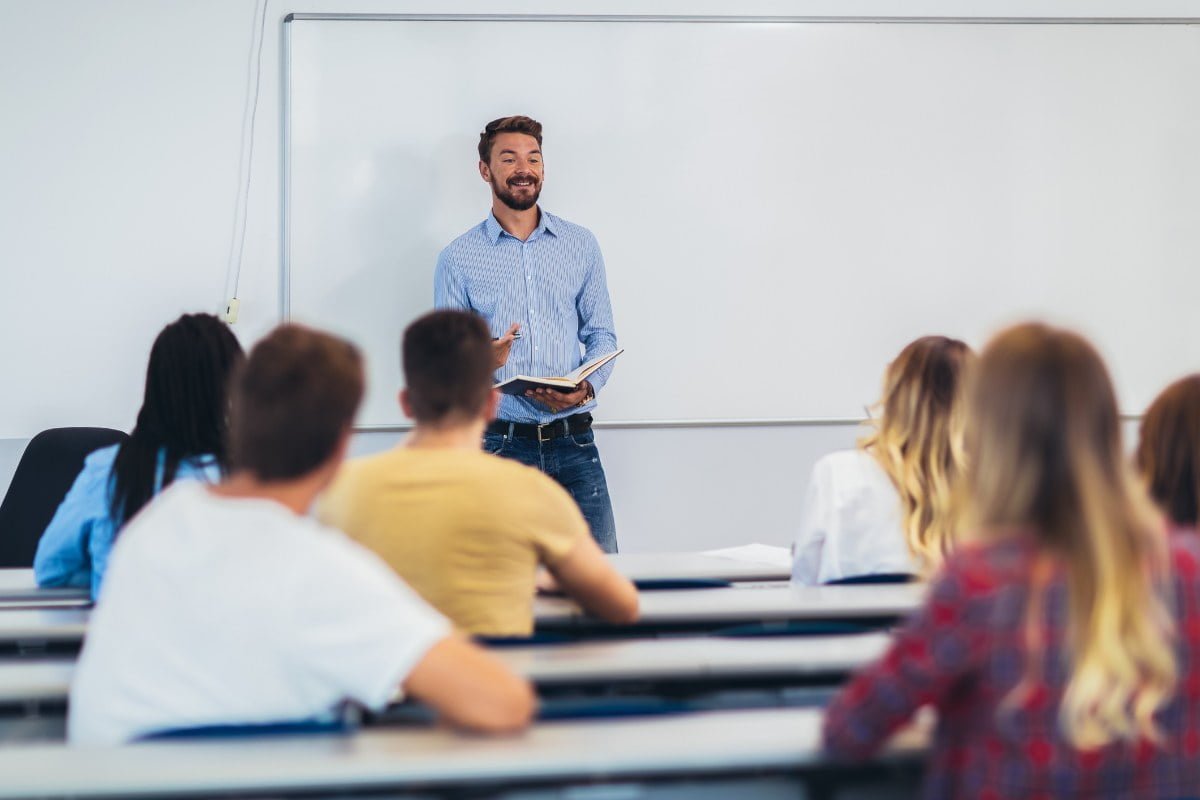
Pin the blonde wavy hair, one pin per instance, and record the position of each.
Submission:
(1044, 436)
(918, 440)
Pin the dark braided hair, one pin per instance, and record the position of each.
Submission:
(184, 410)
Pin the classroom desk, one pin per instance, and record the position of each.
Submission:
(692, 658)
(34, 630)
(35, 680)
(19, 589)
(700, 608)
(709, 609)
(705, 746)
(48, 680)
(694, 566)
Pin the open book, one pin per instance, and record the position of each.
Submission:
(567, 383)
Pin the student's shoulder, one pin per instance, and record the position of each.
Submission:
(850, 470)
(182, 500)
(99, 462)
(363, 472)
(91, 483)
(982, 568)
(326, 558)
(845, 461)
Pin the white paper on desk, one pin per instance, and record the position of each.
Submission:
(756, 554)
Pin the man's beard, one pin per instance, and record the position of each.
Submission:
(509, 199)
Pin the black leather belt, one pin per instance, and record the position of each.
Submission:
(576, 423)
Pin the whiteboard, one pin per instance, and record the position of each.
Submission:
(782, 205)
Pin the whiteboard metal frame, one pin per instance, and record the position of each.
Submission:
(286, 163)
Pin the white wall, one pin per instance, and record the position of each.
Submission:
(120, 146)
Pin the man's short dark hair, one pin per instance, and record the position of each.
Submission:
(448, 365)
(291, 402)
(517, 124)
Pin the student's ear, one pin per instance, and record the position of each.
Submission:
(492, 405)
(406, 404)
(484, 172)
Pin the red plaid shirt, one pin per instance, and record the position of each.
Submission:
(964, 653)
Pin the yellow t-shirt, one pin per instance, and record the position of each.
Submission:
(465, 529)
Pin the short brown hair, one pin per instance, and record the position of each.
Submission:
(1168, 453)
(292, 401)
(517, 124)
(448, 365)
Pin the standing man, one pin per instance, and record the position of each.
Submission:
(539, 282)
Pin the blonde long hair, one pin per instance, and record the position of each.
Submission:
(918, 440)
(1045, 442)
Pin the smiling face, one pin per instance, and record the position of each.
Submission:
(515, 170)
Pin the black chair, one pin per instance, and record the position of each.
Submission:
(47, 469)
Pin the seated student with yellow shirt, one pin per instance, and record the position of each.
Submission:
(465, 529)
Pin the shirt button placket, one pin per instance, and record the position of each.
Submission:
(528, 291)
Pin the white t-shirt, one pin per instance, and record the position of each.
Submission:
(850, 524)
(233, 611)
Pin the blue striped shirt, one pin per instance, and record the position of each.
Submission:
(552, 283)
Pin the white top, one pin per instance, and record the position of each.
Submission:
(231, 611)
(850, 524)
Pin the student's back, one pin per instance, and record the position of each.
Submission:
(885, 507)
(465, 529)
(850, 522)
(999, 702)
(221, 610)
(1061, 649)
(179, 435)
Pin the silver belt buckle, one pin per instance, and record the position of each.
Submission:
(540, 428)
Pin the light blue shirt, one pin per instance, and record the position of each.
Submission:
(552, 283)
(74, 548)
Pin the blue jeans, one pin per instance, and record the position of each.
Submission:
(574, 462)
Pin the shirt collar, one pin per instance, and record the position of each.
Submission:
(546, 224)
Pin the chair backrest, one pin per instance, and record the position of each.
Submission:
(48, 467)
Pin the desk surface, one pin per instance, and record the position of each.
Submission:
(693, 658)
(693, 566)
(19, 589)
(723, 606)
(36, 679)
(709, 743)
(43, 624)
(49, 679)
(747, 604)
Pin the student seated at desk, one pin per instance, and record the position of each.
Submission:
(1168, 453)
(884, 508)
(1061, 648)
(466, 529)
(179, 434)
(225, 605)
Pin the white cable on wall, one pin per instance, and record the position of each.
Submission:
(237, 243)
